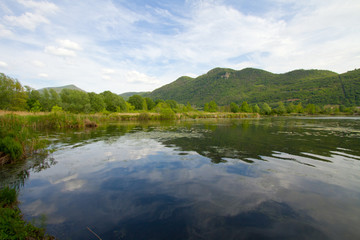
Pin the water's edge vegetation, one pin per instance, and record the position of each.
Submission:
(12, 225)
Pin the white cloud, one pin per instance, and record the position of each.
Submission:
(106, 77)
(66, 43)
(3, 64)
(35, 16)
(43, 75)
(39, 6)
(38, 63)
(66, 48)
(59, 51)
(27, 20)
(136, 77)
(108, 71)
(5, 32)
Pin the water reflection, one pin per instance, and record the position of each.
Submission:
(243, 179)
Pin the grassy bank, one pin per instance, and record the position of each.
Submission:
(12, 225)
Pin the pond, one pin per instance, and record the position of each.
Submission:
(271, 178)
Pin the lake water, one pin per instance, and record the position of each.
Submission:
(272, 178)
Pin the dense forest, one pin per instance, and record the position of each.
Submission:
(258, 86)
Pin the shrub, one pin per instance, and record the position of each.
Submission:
(167, 113)
(10, 146)
(144, 116)
(8, 196)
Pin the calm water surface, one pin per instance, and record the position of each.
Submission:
(276, 178)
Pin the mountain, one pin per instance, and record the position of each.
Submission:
(58, 89)
(224, 85)
(126, 95)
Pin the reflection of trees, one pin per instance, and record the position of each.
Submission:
(250, 139)
(246, 140)
(15, 175)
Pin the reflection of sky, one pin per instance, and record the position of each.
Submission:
(136, 183)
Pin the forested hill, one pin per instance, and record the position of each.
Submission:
(58, 89)
(126, 95)
(225, 85)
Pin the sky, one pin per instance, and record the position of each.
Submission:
(141, 45)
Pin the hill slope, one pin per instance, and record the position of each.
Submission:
(58, 89)
(126, 95)
(255, 86)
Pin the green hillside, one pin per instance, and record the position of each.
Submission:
(126, 95)
(58, 89)
(255, 86)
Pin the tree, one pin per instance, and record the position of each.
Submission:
(172, 103)
(266, 109)
(97, 103)
(75, 101)
(310, 109)
(281, 108)
(299, 108)
(55, 99)
(12, 94)
(291, 108)
(45, 100)
(33, 100)
(245, 107)
(256, 109)
(113, 102)
(189, 107)
(234, 107)
(150, 103)
(137, 101)
(211, 107)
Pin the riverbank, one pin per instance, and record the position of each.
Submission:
(12, 224)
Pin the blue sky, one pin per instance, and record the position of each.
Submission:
(140, 45)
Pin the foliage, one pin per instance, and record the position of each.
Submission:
(12, 94)
(234, 107)
(113, 102)
(280, 109)
(149, 103)
(97, 103)
(265, 109)
(256, 109)
(12, 226)
(257, 86)
(137, 101)
(167, 114)
(75, 101)
(245, 107)
(211, 107)
(9, 145)
(8, 197)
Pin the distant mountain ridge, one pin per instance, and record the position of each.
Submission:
(58, 89)
(225, 85)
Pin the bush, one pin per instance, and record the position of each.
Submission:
(12, 225)
(8, 196)
(10, 146)
(167, 113)
(144, 116)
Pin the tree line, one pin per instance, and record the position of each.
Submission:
(13, 96)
